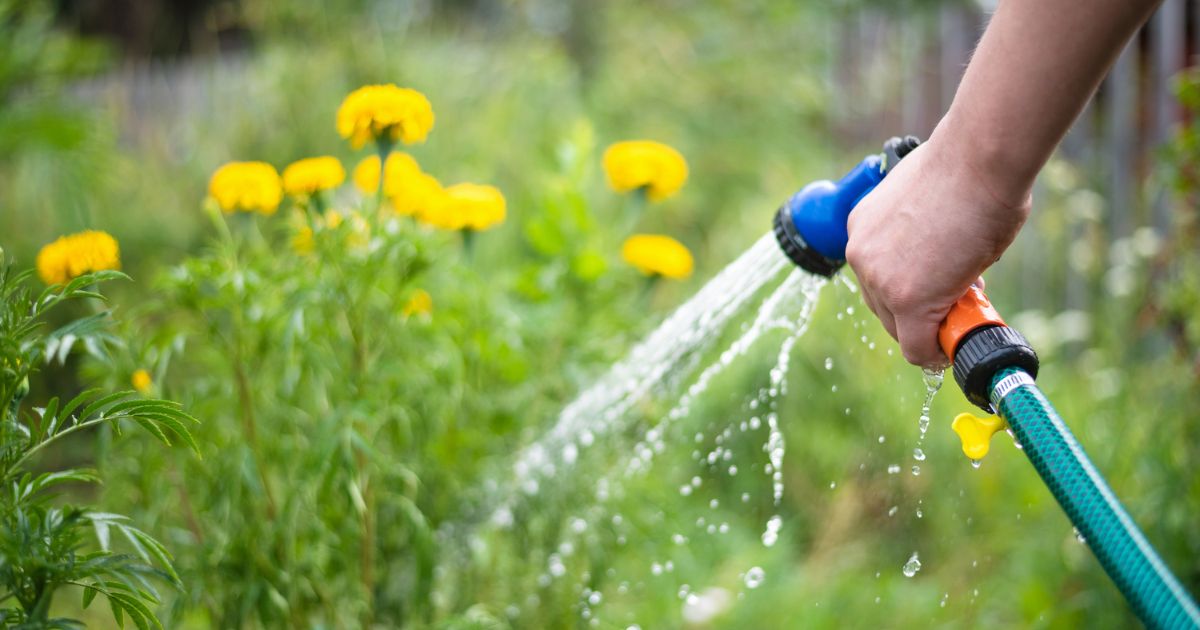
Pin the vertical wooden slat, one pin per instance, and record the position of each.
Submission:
(1120, 102)
(911, 49)
(954, 50)
(1169, 33)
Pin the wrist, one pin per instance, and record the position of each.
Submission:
(993, 161)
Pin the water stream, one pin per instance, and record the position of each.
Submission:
(606, 444)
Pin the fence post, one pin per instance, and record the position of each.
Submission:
(1169, 32)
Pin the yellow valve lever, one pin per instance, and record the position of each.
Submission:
(976, 433)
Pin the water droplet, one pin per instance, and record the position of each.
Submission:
(685, 490)
(945, 596)
(679, 539)
(771, 534)
(892, 511)
(920, 514)
(732, 470)
(918, 454)
(832, 485)
(833, 389)
(745, 497)
(912, 566)
(696, 481)
(882, 439)
(916, 470)
(754, 577)
(976, 463)
(594, 598)
(828, 363)
(656, 568)
(894, 469)
(1079, 536)
(877, 599)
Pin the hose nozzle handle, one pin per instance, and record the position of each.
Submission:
(979, 344)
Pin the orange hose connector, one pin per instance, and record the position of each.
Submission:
(970, 312)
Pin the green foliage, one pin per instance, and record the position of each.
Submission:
(43, 546)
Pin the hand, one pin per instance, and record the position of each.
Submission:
(924, 235)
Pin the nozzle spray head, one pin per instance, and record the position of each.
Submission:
(811, 226)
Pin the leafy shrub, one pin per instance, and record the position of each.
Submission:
(44, 544)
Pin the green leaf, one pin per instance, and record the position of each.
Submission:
(103, 402)
(77, 401)
(42, 420)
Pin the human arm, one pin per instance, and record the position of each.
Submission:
(951, 207)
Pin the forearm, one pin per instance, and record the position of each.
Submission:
(1038, 63)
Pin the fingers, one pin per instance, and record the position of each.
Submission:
(884, 315)
(918, 341)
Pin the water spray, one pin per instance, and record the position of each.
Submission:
(995, 367)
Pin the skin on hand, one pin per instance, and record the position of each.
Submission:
(922, 237)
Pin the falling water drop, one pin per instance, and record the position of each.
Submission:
(918, 454)
(912, 566)
(771, 534)
(976, 463)
(754, 577)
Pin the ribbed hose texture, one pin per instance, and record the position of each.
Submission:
(1155, 595)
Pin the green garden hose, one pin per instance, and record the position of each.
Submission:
(1157, 598)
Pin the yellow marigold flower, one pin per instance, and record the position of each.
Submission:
(141, 381)
(73, 255)
(654, 254)
(246, 186)
(401, 167)
(384, 111)
(421, 303)
(422, 196)
(311, 175)
(638, 164)
(467, 207)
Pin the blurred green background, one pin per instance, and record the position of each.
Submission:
(113, 116)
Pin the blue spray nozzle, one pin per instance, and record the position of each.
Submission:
(811, 225)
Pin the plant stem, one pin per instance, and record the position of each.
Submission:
(384, 145)
(246, 404)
